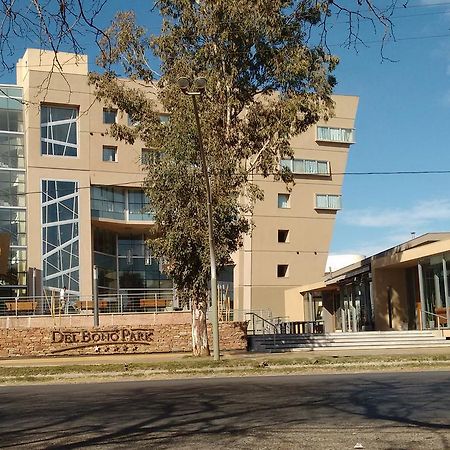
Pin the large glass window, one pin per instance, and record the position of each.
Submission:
(11, 151)
(12, 222)
(306, 166)
(113, 203)
(136, 267)
(328, 201)
(12, 188)
(108, 202)
(13, 264)
(60, 234)
(331, 134)
(138, 205)
(59, 131)
(11, 120)
(130, 255)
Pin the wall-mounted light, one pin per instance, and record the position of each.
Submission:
(147, 257)
(129, 257)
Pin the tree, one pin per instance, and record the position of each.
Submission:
(62, 25)
(57, 25)
(266, 81)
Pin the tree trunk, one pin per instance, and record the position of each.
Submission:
(200, 345)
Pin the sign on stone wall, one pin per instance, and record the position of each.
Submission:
(104, 340)
(128, 340)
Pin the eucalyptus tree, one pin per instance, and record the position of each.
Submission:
(269, 77)
(57, 25)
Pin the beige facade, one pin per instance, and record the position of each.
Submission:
(258, 285)
(71, 88)
(293, 228)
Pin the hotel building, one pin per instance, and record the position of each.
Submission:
(71, 197)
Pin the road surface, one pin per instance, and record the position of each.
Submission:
(379, 411)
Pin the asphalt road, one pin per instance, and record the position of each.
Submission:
(379, 411)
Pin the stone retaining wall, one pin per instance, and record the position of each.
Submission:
(113, 339)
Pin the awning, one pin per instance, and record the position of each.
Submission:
(348, 275)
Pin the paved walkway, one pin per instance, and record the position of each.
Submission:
(164, 357)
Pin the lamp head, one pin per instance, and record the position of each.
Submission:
(184, 83)
(200, 84)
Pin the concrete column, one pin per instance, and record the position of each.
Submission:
(444, 274)
(343, 312)
(437, 291)
(422, 296)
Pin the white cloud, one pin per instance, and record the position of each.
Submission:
(371, 245)
(422, 214)
(429, 2)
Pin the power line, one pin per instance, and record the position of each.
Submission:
(397, 172)
(426, 5)
(371, 173)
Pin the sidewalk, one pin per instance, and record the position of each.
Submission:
(230, 355)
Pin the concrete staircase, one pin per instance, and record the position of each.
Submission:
(346, 341)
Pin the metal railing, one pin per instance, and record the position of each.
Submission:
(439, 319)
(260, 325)
(277, 325)
(129, 301)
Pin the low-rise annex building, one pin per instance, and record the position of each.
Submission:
(71, 197)
(402, 288)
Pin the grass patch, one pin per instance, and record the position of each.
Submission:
(207, 366)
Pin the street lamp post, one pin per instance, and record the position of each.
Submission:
(199, 86)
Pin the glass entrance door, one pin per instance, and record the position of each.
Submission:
(355, 309)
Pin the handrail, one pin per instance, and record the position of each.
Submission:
(275, 327)
(436, 315)
(433, 314)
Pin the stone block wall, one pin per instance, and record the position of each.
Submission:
(113, 339)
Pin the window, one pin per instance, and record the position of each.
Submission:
(328, 201)
(132, 122)
(109, 115)
(164, 118)
(282, 270)
(12, 188)
(149, 156)
(110, 154)
(11, 120)
(138, 205)
(59, 131)
(330, 134)
(307, 166)
(11, 151)
(119, 204)
(60, 237)
(283, 235)
(108, 202)
(284, 201)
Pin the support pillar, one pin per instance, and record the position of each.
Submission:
(444, 274)
(422, 296)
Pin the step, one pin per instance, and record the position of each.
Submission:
(347, 341)
(302, 340)
(354, 345)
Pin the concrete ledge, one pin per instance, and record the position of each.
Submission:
(87, 320)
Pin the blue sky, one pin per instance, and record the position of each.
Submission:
(403, 123)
